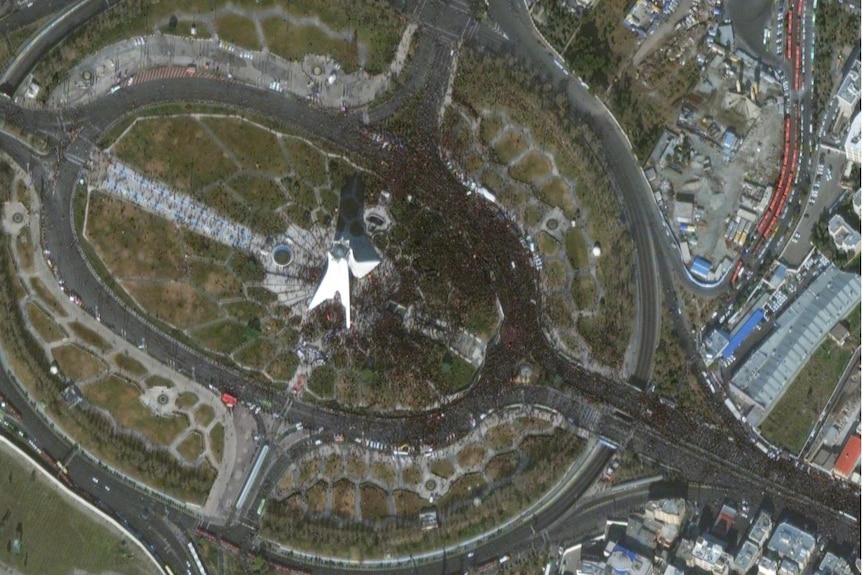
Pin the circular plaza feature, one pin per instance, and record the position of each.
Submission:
(282, 255)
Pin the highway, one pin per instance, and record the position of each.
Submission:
(680, 439)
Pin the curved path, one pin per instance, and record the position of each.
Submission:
(680, 439)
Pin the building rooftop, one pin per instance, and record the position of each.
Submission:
(792, 543)
(798, 332)
(741, 333)
(623, 561)
(845, 237)
(747, 556)
(788, 567)
(853, 142)
(849, 458)
(849, 89)
(831, 564)
(760, 529)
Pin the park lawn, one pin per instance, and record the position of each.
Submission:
(259, 191)
(89, 337)
(58, 535)
(466, 486)
(490, 126)
(192, 446)
(237, 30)
(131, 242)
(204, 247)
(502, 466)
(511, 144)
(121, 399)
(584, 291)
(576, 249)
(455, 375)
(24, 246)
(531, 168)
(557, 193)
(76, 363)
(47, 297)
(214, 279)
(47, 328)
(158, 381)
(257, 354)
(408, 503)
(548, 245)
(373, 502)
(186, 400)
(471, 455)
(255, 148)
(245, 310)
(384, 472)
(184, 29)
(344, 499)
(175, 303)
(411, 474)
(293, 42)
(500, 437)
(204, 414)
(129, 364)
(555, 275)
(176, 150)
(309, 163)
(216, 441)
(284, 366)
(791, 419)
(315, 497)
(442, 468)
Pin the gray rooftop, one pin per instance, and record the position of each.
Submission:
(792, 543)
(798, 332)
(849, 89)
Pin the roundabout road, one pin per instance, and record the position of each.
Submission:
(697, 450)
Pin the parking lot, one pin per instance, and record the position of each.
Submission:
(823, 193)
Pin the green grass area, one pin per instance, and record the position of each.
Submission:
(471, 455)
(257, 354)
(584, 292)
(89, 337)
(308, 162)
(791, 420)
(176, 150)
(383, 471)
(47, 328)
(502, 466)
(121, 399)
(223, 336)
(465, 487)
(576, 249)
(321, 382)
(373, 502)
(192, 446)
(548, 245)
(158, 381)
(500, 437)
(511, 144)
(489, 127)
(57, 535)
(204, 414)
(174, 303)
(259, 191)
(76, 363)
(186, 400)
(132, 242)
(531, 168)
(217, 441)
(237, 30)
(184, 29)
(411, 474)
(47, 297)
(555, 275)
(442, 468)
(293, 42)
(557, 193)
(408, 503)
(129, 364)
(214, 279)
(283, 366)
(455, 374)
(254, 148)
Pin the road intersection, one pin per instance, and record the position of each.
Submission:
(616, 410)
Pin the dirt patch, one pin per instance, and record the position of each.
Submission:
(442, 468)
(47, 329)
(471, 456)
(175, 303)
(192, 446)
(502, 466)
(344, 499)
(408, 503)
(315, 497)
(76, 363)
(373, 502)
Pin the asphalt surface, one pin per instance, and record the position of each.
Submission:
(680, 440)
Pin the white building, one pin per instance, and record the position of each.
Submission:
(853, 142)
(843, 236)
(792, 543)
(336, 280)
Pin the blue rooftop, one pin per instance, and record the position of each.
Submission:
(742, 332)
